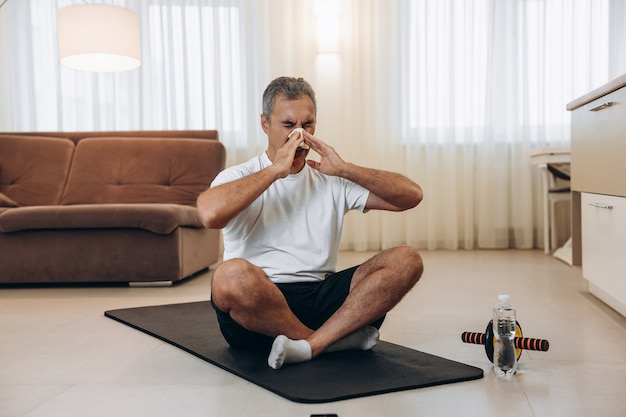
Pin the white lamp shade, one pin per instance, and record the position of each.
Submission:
(94, 37)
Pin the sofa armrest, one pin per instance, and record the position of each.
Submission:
(157, 218)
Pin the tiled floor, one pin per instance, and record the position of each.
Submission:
(59, 356)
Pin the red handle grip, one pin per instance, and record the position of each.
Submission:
(473, 337)
(527, 343)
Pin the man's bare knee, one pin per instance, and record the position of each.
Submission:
(233, 268)
(410, 260)
(404, 260)
(230, 279)
(401, 266)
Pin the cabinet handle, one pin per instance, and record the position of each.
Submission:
(602, 106)
(602, 205)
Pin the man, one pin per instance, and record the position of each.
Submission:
(282, 216)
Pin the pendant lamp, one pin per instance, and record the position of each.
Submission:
(99, 38)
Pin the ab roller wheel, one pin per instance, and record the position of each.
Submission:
(489, 341)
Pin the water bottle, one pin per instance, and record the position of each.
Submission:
(504, 355)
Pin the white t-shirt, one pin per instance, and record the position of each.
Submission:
(292, 230)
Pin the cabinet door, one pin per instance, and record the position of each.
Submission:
(604, 247)
(599, 145)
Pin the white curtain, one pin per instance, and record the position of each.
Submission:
(452, 93)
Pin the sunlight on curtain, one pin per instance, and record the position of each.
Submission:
(367, 130)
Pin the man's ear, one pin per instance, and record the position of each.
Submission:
(265, 124)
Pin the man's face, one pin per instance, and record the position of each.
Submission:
(286, 116)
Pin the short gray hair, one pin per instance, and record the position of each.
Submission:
(290, 88)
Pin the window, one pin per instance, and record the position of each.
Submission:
(487, 65)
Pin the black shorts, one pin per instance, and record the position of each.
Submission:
(312, 302)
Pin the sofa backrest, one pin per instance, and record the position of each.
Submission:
(142, 170)
(78, 136)
(33, 169)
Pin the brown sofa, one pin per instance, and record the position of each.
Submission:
(105, 207)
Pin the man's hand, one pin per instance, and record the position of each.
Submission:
(330, 162)
(283, 161)
(388, 190)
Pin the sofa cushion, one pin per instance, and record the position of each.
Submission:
(142, 170)
(157, 218)
(7, 202)
(33, 169)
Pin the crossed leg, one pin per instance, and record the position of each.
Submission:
(253, 301)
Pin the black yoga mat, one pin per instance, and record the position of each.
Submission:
(330, 377)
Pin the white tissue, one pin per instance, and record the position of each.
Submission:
(298, 131)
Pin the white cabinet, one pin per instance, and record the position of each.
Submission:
(603, 224)
(599, 145)
(599, 190)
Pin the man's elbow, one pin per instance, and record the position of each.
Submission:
(209, 216)
(210, 220)
(419, 195)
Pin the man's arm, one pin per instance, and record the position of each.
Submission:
(219, 204)
(388, 190)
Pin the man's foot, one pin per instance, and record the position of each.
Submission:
(363, 339)
(285, 350)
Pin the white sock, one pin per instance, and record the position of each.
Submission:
(364, 339)
(285, 350)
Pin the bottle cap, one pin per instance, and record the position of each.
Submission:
(503, 298)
